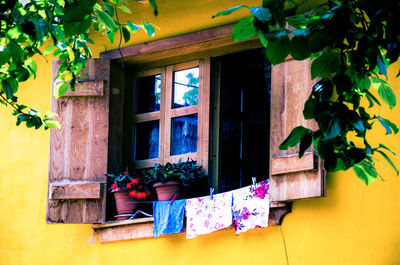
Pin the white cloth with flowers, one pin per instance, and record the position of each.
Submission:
(250, 207)
(204, 215)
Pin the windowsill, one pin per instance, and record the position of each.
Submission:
(143, 227)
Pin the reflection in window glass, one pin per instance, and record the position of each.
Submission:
(147, 94)
(184, 135)
(146, 140)
(186, 88)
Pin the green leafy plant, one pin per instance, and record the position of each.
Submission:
(134, 183)
(185, 173)
(352, 42)
(59, 27)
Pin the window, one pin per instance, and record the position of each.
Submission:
(170, 114)
(94, 130)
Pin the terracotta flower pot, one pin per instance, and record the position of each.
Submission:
(124, 203)
(166, 191)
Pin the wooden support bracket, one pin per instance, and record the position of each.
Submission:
(292, 163)
(76, 191)
(87, 88)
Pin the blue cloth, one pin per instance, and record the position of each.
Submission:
(168, 219)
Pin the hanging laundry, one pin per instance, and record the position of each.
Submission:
(168, 217)
(250, 207)
(205, 215)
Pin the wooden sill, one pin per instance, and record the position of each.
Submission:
(143, 227)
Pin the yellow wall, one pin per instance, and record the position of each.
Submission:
(354, 224)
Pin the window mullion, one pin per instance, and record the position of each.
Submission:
(166, 146)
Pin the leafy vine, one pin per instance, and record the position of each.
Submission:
(27, 26)
(352, 42)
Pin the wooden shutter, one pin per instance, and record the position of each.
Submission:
(292, 178)
(78, 152)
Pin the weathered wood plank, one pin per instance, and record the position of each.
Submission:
(171, 43)
(133, 230)
(292, 163)
(78, 151)
(290, 86)
(87, 88)
(76, 191)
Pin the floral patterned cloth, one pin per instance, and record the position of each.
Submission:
(204, 215)
(250, 207)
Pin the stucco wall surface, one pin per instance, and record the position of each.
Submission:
(354, 224)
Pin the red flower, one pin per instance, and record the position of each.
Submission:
(133, 194)
(135, 181)
(129, 185)
(114, 186)
(126, 172)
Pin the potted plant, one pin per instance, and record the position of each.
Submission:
(127, 191)
(168, 179)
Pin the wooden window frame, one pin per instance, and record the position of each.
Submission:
(167, 113)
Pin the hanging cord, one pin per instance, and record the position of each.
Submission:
(284, 244)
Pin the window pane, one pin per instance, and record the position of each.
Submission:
(147, 94)
(184, 135)
(186, 88)
(146, 140)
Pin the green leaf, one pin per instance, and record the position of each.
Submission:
(387, 148)
(31, 65)
(261, 13)
(389, 126)
(294, 137)
(133, 27)
(77, 27)
(328, 123)
(52, 124)
(154, 5)
(148, 28)
(305, 143)
(384, 91)
(96, 26)
(324, 65)
(110, 36)
(364, 83)
(61, 89)
(381, 65)
(7, 89)
(125, 9)
(299, 21)
(5, 56)
(229, 11)
(388, 160)
(109, 8)
(363, 174)
(16, 51)
(371, 98)
(355, 120)
(126, 34)
(244, 29)
(106, 20)
(50, 114)
(49, 49)
(299, 48)
(309, 107)
(262, 38)
(278, 50)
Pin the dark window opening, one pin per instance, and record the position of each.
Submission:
(241, 91)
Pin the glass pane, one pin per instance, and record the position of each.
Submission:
(147, 94)
(184, 135)
(146, 140)
(186, 88)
